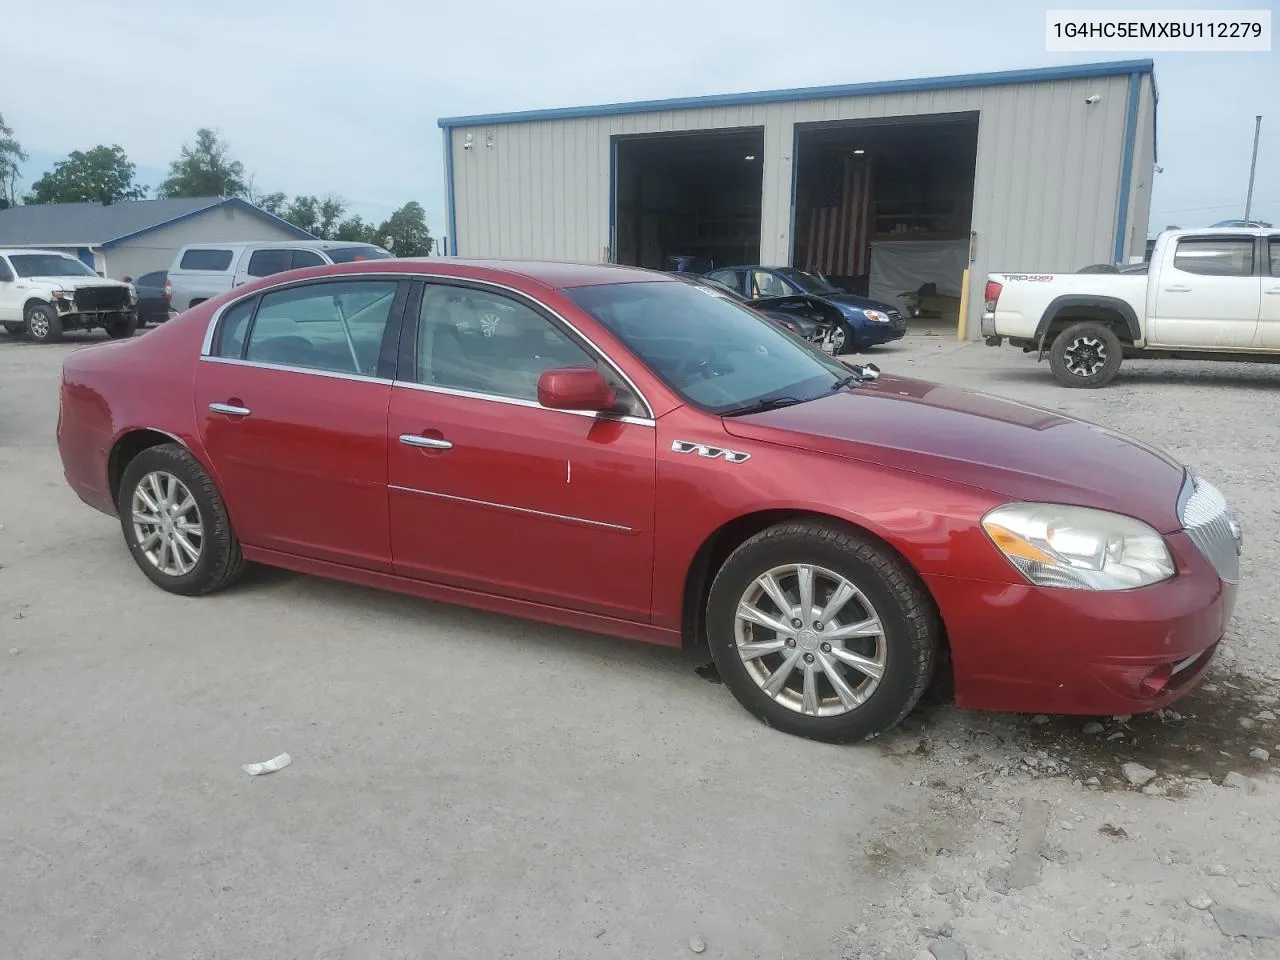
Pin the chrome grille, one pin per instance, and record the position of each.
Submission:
(1212, 527)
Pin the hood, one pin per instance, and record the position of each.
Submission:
(1008, 448)
(859, 303)
(74, 283)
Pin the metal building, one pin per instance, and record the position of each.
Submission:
(883, 187)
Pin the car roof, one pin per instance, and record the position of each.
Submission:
(552, 273)
(1225, 231)
(275, 244)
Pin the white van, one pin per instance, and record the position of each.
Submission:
(202, 271)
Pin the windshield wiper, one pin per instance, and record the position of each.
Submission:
(860, 374)
(759, 406)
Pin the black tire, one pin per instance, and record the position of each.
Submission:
(220, 562)
(15, 330)
(43, 323)
(909, 621)
(124, 328)
(1086, 355)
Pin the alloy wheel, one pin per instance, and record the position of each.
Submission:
(38, 323)
(166, 524)
(837, 339)
(1085, 356)
(810, 639)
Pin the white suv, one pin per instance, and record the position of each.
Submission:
(43, 293)
(202, 271)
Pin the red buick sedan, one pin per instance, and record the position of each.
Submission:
(614, 450)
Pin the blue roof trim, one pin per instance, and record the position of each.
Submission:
(1001, 78)
(238, 202)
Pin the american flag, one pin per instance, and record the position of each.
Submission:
(839, 224)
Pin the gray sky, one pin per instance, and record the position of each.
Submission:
(334, 95)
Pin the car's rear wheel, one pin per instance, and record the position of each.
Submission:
(43, 323)
(1086, 355)
(123, 328)
(821, 632)
(176, 524)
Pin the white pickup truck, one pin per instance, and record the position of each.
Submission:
(1210, 294)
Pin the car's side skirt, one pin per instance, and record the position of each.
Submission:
(525, 609)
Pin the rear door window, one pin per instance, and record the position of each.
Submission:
(1215, 256)
(212, 260)
(232, 328)
(335, 326)
(263, 263)
(306, 258)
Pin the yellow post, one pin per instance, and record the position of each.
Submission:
(963, 320)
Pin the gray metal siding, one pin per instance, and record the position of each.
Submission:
(1144, 172)
(1046, 187)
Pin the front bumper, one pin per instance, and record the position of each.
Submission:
(1025, 649)
(871, 334)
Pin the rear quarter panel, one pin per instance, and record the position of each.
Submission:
(112, 389)
(1026, 296)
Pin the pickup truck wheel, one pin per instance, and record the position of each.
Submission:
(1086, 355)
(822, 633)
(43, 323)
(175, 523)
(122, 329)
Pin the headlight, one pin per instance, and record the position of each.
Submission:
(62, 294)
(1078, 548)
(876, 316)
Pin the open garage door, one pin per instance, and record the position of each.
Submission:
(883, 209)
(690, 199)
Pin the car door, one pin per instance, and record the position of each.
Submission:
(1269, 314)
(292, 399)
(1208, 294)
(10, 297)
(492, 492)
(733, 279)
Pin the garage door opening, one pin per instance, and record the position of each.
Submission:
(883, 209)
(688, 198)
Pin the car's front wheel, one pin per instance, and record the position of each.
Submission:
(176, 524)
(841, 339)
(821, 632)
(43, 323)
(1086, 355)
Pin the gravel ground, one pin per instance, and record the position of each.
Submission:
(466, 785)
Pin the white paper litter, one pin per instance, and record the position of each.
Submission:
(270, 766)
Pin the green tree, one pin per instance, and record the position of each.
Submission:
(354, 230)
(101, 175)
(317, 216)
(407, 231)
(273, 203)
(11, 158)
(205, 170)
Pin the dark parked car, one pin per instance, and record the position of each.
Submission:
(153, 301)
(860, 322)
(800, 315)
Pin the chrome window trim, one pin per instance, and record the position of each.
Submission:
(286, 368)
(519, 402)
(620, 528)
(448, 279)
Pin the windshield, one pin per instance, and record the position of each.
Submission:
(716, 354)
(808, 282)
(48, 265)
(361, 252)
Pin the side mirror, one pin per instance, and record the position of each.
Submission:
(575, 388)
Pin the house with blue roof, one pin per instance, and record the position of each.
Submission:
(133, 237)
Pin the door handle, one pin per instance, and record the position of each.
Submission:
(229, 409)
(1273, 292)
(1178, 289)
(416, 440)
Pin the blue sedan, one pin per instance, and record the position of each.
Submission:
(859, 322)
